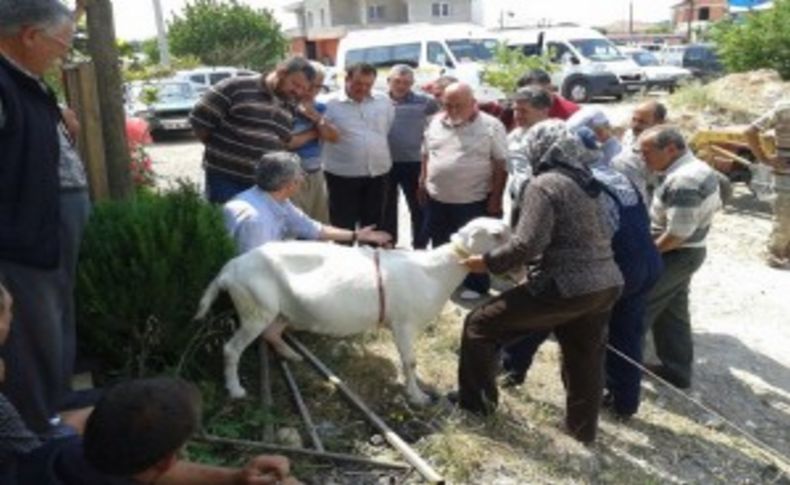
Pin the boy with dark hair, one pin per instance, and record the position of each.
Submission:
(134, 436)
(561, 108)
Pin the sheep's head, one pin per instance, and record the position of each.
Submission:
(481, 235)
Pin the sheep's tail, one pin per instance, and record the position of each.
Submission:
(208, 298)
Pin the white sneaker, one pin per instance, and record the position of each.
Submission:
(467, 295)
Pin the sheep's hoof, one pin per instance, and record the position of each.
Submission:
(420, 398)
(237, 393)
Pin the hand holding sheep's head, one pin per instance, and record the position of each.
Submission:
(481, 235)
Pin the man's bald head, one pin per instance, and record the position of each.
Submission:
(646, 115)
(459, 102)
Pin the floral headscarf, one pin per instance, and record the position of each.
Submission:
(551, 147)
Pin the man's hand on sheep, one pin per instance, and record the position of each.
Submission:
(475, 264)
(370, 235)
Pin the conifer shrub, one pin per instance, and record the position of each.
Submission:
(143, 267)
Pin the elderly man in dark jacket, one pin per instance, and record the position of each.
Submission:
(34, 34)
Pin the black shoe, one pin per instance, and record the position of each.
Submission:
(669, 376)
(454, 398)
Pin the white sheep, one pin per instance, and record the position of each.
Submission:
(334, 290)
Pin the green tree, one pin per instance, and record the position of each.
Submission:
(508, 65)
(225, 32)
(150, 47)
(759, 40)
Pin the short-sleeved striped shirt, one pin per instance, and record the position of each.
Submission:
(685, 201)
(245, 119)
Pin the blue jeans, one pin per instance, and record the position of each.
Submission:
(443, 220)
(220, 187)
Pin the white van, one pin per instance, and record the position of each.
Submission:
(203, 78)
(592, 66)
(459, 50)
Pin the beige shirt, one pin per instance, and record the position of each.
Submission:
(461, 158)
(362, 149)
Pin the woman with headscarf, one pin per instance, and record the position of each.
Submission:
(640, 263)
(564, 239)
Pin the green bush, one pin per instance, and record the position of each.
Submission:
(508, 65)
(760, 40)
(143, 267)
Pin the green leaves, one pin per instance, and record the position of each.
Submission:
(761, 40)
(225, 32)
(509, 65)
(144, 265)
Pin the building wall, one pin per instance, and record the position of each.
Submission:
(421, 11)
(717, 8)
(345, 12)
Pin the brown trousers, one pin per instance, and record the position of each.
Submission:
(579, 324)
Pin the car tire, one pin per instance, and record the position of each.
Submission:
(577, 90)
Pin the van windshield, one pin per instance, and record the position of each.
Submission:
(470, 50)
(597, 49)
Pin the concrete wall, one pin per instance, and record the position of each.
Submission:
(420, 11)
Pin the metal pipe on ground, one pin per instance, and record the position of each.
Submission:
(300, 405)
(288, 450)
(390, 435)
(266, 389)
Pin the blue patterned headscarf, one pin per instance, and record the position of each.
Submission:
(551, 147)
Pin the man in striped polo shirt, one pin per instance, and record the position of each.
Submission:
(681, 214)
(241, 118)
(777, 119)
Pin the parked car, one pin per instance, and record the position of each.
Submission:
(657, 75)
(672, 55)
(460, 50)
(702, 61)
(203, 78)
(164, 104)
(592, 66)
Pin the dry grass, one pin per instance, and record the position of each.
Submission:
(522, 443)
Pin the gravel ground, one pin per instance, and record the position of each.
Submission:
(741, 317)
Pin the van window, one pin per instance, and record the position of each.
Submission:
(437, 55)
(198, 78)
(216, 77)
(529, 49)
(470, 50)
(597, 49)
(558, 51)
(386, 56)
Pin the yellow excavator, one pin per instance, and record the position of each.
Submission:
(726, 150)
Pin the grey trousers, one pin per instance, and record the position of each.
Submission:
(668, 314)
(41, 346)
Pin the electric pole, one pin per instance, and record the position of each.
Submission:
(690, 19)
(161, 34)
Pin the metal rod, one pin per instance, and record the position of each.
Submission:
(266, 389)
(392, 438)
(341, 457)
(735, 157)
(300, 405)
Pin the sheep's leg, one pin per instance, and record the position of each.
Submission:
(404, 339)
(249, 329)
(274, 335)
